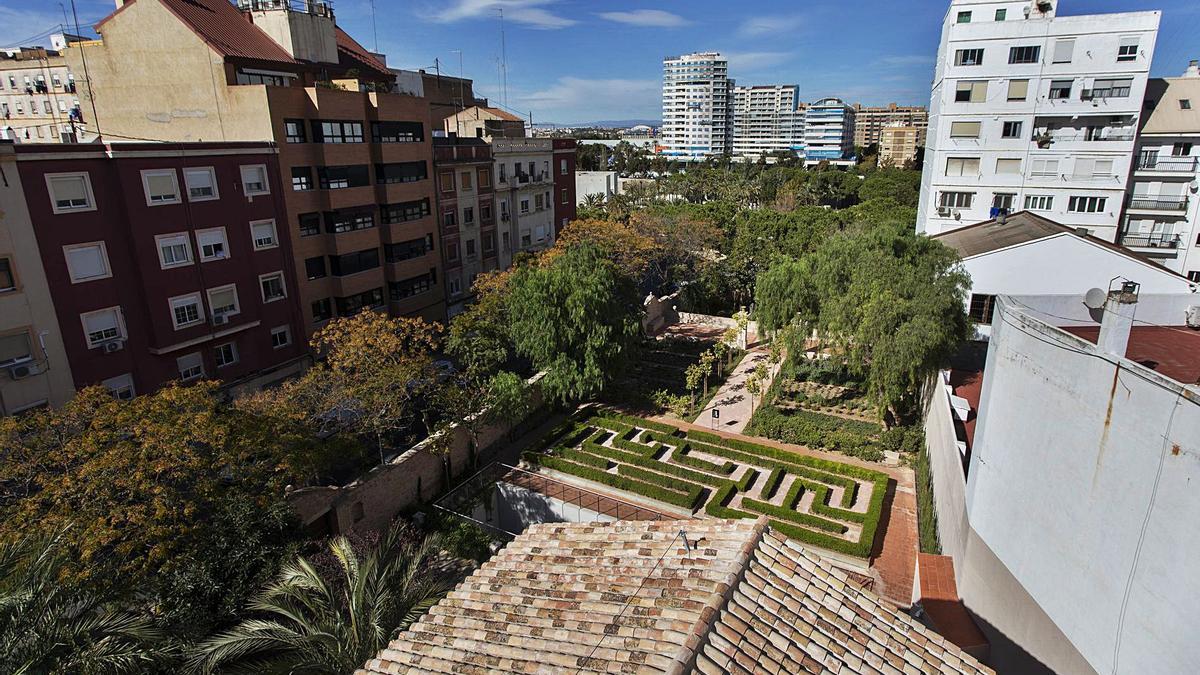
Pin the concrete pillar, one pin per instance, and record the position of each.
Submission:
(1117, 323)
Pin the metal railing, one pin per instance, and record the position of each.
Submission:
(1167, 164)
(1151, 240)
(1158, 203)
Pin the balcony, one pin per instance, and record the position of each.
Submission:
(1166, 164)
(1160, 240)
(1173, 204)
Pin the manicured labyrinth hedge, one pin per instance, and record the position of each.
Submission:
(657, 461)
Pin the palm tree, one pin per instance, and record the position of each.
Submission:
(310, 625)
(51, 626)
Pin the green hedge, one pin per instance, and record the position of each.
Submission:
(814, 430)
(662, 494)
(580, 457)
(642, 423)
(783, 460)
(681, 455)
(694, 491)
(773, 481)
(646, 462)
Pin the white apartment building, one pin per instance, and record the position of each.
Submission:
(1162, 213)
(828, 131)
(1031, 110)
(38, 103)
(767, 119)
(696, 106)
(524, 195)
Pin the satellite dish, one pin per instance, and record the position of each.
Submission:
(1095, 298)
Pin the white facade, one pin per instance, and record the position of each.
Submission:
(828, 130)
(767, 119)
(1163, 212)
(696, 106)
(601, 184)
(1030, 110)
(524, 195)
(38, 102)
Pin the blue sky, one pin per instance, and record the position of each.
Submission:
(580, 60)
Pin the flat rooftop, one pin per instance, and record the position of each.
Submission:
(1173, 351)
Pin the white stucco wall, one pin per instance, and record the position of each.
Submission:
(1083, 483)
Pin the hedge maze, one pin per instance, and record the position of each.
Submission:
(820, 502)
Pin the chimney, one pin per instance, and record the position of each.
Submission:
(1193, 69)
(1117, 323)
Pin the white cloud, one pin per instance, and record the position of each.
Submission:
(906, 60)
(656, 18)
(575, 99)
(760, 26)
(530, 13)
(741, 62)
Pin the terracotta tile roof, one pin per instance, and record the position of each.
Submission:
(1173, 351)
(353, 55)
(223, 28)
(629, 597)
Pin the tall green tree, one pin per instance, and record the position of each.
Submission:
(576, 318)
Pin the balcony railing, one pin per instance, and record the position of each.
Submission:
(1167, 164)
(1158, 203)
(1151, 240)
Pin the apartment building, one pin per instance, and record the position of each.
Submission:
(898, 144)
(165, 261)
(38, 101)
(1031, 110)
(696, 106)
(1162, 212)
(34, 370)
(869, 122)
(767, 119)
(829, 131)
(467, 213)
(480, 121)
(524, 195)
(356, 157)
(446, 95)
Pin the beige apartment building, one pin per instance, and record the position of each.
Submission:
(484, 122)
(33, 361)
(870, 121)
(38, 101)
(355, 157)
(898, 144)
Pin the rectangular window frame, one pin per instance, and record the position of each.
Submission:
(251, 185)
(226, 354)
(1024, 54)
(119, 328)
(71, 272)
(286, 332)
(175, 197)
(182, 301)
(211, 173)
(968, 57)
(190, 367)
(89, 197)
(222, 310)
(201, 235)
(262, 286)
(259, 243)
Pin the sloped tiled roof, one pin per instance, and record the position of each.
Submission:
(353, 55)
(223, 28)
(630, 597)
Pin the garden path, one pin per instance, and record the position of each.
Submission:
(732, 399)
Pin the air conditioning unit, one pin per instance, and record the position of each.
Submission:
(945, 211)
(219, 319)
(1085, 95)
(113, 346)
(19, 371)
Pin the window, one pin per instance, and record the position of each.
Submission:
(446, 181)
(310, 224)
(86, 262)
(1112, 87)
(226, 354)
(451, 250)
(399, 290)
(201, 183)
(503, 168)
(1001, 14)
(1086, 204)
(281, 336)
(401, 172)
(293, 131)
(339, 177)
(1064, 50)
(968, 57)
(1039, 202)
(397, 132)
(314, 268)
(161, 187)
(353, 263)
(562, 166)
(1086, 167)
(466, 182)
(351, 305)
(186, 310)
(1043, 168)
(1127, 50)
(963, 17)
(212, 244)
(102, 326)
(302, 178)
(338, 222)
(1181, 150)
(1005, 165)
(1185, 104)
(191, 367)
(964, 129)
(564, 196)
(485, 178)
(1003, 200)
(956, 200)
(262, 232)
(404, 211)
(8, 281)
(1011, 130)
(982, 309)
(468, 215)
(504, 240)
(254, 180)
(485, 212)
(15, 349)
(524, 206)
(962, 166)
(449, 219)
(223, 301)
(70, 191)
(337, 132)
(489, 243)
(407, 250)
(470, 249)
(455, 286)
(1193, 276)
(1060, 89)
(322, 310)
(272, 287)
(121, 387)
(1024, 54)
(273, 79)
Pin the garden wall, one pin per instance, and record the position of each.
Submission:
(722, 322)
(949, 483)
(371, 501)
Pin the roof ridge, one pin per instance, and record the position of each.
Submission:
(685, 658)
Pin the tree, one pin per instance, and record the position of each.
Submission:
(753, 386)
(311, 624)
(897, 185)
(575, 318)
(47, 625)
(478, 338)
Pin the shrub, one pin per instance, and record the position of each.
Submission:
(660, 493)
(681, 456)
(773, 481)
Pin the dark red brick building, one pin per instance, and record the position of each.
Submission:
(466, 213)
(564, 182)
(166, 261)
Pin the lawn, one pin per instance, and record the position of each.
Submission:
(823, 503)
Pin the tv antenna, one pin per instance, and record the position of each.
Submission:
(503, 61)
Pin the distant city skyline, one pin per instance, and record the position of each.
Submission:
(568, 62)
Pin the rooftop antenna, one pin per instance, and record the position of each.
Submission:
(462, 101)
(503, 60)
(374, 28)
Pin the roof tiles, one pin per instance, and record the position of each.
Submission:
(630, 597)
